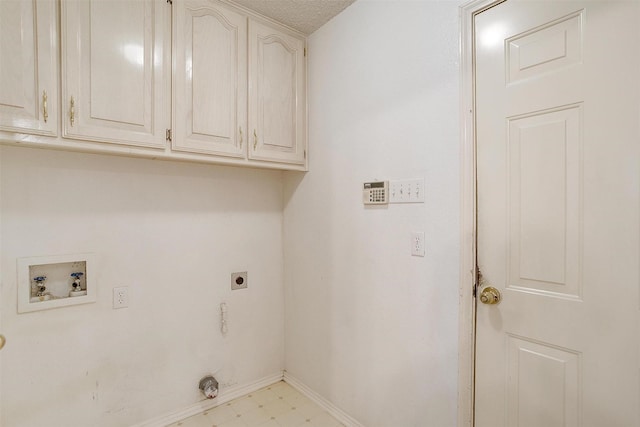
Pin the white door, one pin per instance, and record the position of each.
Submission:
(277, 105)
(114, 71)
(558, 173)
(28, 67)
(210, 48)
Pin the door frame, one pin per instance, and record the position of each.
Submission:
(466, 302)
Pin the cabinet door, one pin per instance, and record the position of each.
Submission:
(277, 105)
(114, 87)
(28, 67)
(210, 103)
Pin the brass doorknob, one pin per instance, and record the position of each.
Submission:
(490, 295)
(3, 341)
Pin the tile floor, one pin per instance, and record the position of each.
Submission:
(278, 405)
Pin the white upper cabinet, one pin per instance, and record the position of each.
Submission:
(193, 80)
(210, 79)
(114, 71)
(277, 105)
(28, 67)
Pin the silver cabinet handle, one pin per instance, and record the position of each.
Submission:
(255, 139)
(240, 136)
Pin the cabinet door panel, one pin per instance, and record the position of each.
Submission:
(210, 79)
(28, 67)
(119, 51)
(277, 102)
(114, 69)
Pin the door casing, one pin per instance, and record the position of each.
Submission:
(466, 303)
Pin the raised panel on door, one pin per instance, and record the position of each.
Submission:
(277, 103)
(210, 103)
(543, 384)
(114, 73)
(28, 67)
(544, 169)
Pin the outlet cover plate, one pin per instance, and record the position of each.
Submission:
(121, 297)
(417, 243)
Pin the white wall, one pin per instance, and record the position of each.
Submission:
(369, 327)
(171, 232)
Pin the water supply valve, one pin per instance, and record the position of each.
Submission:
(209, 387)
(77, 286)
(40, 285)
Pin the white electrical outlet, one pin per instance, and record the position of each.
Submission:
(417, 243)
(121, 297)
(406, 191)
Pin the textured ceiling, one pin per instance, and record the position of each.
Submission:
(303, 15)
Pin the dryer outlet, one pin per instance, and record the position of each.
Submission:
(239, 280)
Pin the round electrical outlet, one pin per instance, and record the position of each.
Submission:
(239, 280)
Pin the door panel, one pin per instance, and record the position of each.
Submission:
(541, 50)
(114, 71)
(28, 67)
(210, 79)
(118, 53)
(276, 95)
(544, 201)
(543, 387)
(279, 95)
(558, 213)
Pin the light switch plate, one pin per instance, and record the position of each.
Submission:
(406, 191)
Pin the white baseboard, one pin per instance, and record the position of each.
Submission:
(225, 396)
(335, 412)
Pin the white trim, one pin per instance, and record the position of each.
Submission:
(206, 404)
(93, 147)
(2, 294)
(335, 412)
(466, 304)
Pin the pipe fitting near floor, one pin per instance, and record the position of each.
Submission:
(209, 387)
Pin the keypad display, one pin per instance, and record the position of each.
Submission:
(375, 193)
